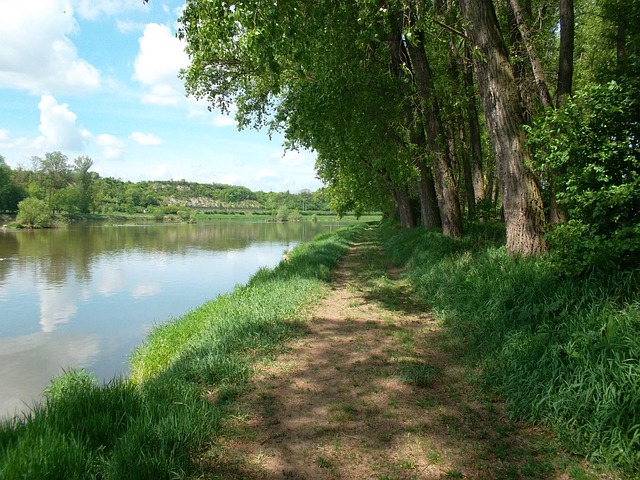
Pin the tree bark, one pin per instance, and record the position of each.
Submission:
(450, 215)
(534, 60)
(475, 138)
(429, 209)
(565, 64)
(403, 207)
(521, 199)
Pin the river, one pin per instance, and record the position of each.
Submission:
(86, 295)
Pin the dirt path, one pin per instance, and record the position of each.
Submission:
(373, 392)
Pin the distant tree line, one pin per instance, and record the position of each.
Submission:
(70, 187)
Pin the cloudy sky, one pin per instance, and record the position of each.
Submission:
(99, 78)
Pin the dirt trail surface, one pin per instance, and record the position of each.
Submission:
(373, 391)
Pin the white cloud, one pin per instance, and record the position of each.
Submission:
(159, 172)
(295, 158)
(222, 120)
(230, 179)
(58, 126)
(159, 60)
(125, 26)
(111, 146)
(92, 9)
(145, 138)
(36, 53)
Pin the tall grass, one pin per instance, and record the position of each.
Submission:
(184, 377)
(564, 352)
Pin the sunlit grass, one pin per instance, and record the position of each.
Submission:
(185, 377)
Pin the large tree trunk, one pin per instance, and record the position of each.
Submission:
(429, 209)
(521, 199)
(446, 189)
(404, 209)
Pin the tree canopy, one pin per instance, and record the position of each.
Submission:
(385, 92)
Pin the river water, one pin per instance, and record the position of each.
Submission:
(86, 295)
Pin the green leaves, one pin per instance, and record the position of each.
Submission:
(592, 145)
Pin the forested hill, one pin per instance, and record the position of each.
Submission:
(71, 187)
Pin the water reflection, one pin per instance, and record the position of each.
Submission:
(85, 296)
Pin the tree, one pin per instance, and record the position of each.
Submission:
(54, 172)
(10, 193)
(84, 183)
(522, 201)
(34, 213)
(594, 141)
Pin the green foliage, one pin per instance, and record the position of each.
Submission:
(282, 215)
(10, 193)
(295, 216)
(34, 213)
(561, 351)
(593, 147)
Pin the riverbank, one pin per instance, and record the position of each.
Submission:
(152, 427)
(321, 369)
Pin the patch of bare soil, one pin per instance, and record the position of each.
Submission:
(374, 391)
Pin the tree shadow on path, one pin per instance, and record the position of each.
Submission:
(374, 391)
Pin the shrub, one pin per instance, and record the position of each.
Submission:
(34, 213)
(592, 146)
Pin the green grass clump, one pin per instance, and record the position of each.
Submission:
(185, 375)
(562, 351)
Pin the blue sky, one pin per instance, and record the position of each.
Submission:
(99, 78)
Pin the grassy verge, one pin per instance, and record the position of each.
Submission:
(185, 376)
(563, 352)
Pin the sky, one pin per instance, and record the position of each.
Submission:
(100, 78)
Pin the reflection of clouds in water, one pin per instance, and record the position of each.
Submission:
(232, 254)
(28, 363)
(148, 290)
(110, 282)
(57, 306)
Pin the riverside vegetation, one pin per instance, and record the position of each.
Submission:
(563, 353)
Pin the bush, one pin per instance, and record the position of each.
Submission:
(592, 146)
(34, 213)
(282, 215)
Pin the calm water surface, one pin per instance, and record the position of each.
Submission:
(85, 296)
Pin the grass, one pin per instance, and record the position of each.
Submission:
(186, 375)
(563, 352)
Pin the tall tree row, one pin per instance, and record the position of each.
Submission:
(386, 93)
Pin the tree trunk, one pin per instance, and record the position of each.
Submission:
(403, 207)
(429, 211)
(446, 189)
(565, 66)
(466, 168)
(557, 213)
(521, 199)
(534, 60)
(475, 138)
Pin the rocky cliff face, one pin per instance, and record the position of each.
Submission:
(206, 202)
